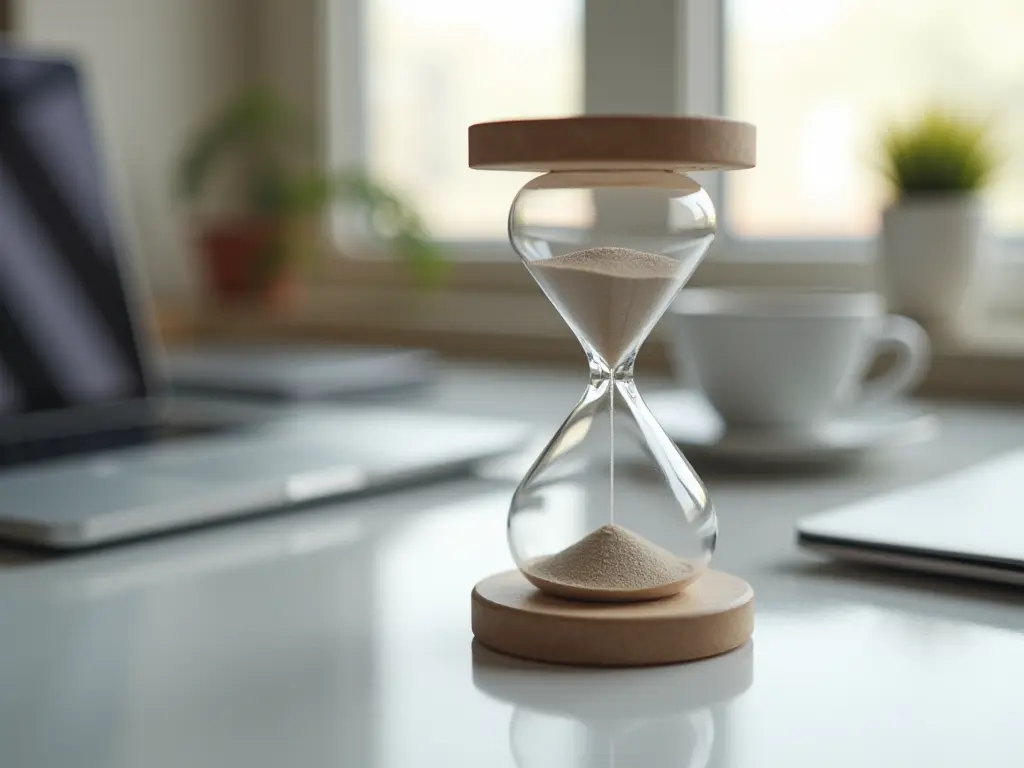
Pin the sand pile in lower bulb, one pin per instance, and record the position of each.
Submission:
(611, 563)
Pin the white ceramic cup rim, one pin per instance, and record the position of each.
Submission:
(766, 303)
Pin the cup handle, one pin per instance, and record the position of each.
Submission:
(913, 353)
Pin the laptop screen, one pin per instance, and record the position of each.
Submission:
(66, 338)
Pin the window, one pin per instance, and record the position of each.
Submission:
(432, 69)
(821, 78)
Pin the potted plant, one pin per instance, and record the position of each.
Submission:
(933, 238)
(259, 249)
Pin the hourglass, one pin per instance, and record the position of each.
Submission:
(611, 530)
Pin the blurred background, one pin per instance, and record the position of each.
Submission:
(409, 247)
(293, 174)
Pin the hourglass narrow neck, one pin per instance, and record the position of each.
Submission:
(600, 371)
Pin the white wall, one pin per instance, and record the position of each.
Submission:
(156, 67)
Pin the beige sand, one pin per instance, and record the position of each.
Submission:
(611, 564)
(613, 295)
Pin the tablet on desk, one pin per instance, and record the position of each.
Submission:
(968, 524)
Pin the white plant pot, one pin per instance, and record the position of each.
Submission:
(932, 252)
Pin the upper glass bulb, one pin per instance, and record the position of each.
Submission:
(611, 249)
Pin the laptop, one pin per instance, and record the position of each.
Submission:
(92, 450)
(968, 524)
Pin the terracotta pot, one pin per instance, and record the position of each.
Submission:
(242, 261)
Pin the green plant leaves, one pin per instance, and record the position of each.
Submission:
(256, 123)
(396, 222)
(938, 154)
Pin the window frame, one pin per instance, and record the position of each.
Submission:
(703, 62)
(344, 64)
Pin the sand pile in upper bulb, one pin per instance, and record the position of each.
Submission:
(617, 262)
(612, 558)
(612, 296)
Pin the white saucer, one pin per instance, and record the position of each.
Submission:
(695, 427)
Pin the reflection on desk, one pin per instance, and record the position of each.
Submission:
(571, 717)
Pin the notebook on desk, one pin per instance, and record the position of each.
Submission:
(968, 524)
(291, 373)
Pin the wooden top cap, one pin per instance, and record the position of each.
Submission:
(594, 142)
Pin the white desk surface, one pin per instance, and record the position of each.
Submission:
(340, 636)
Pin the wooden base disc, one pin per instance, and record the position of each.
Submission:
(714, 615)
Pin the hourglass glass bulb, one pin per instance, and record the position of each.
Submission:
(611, 510)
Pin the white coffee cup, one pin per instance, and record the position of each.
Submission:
(787, 360)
